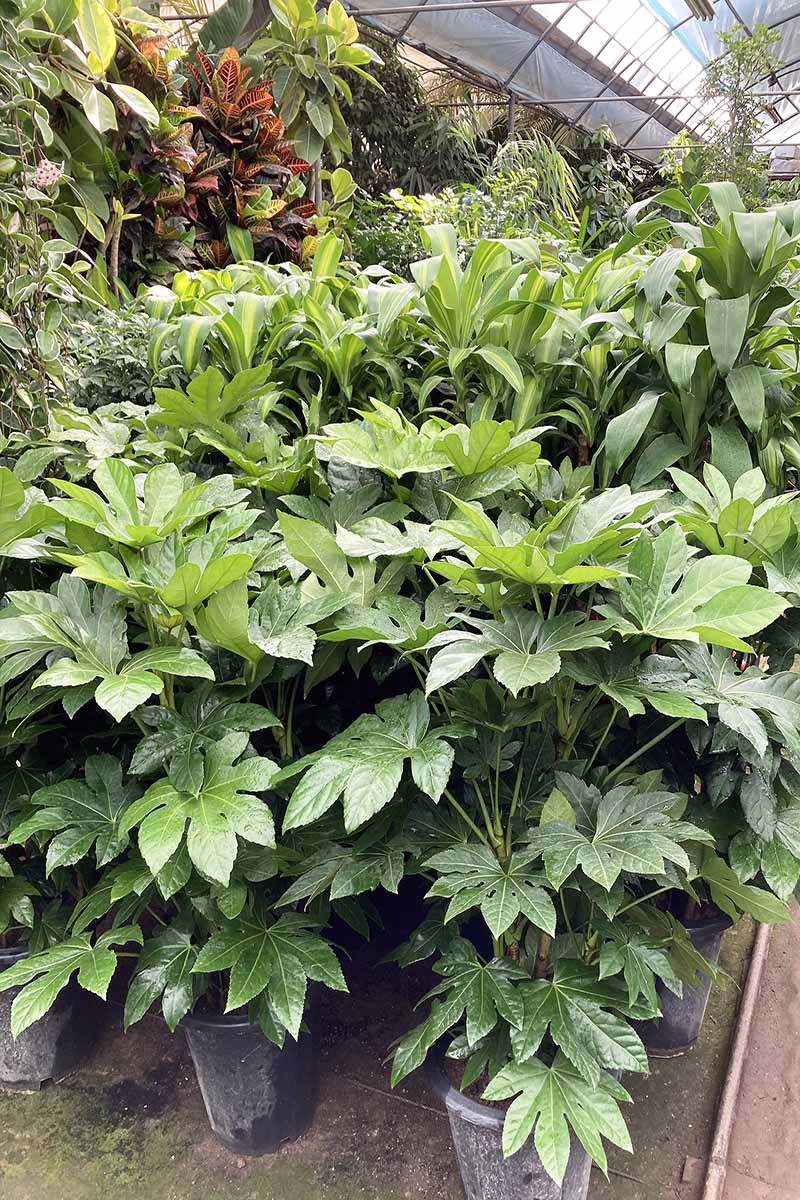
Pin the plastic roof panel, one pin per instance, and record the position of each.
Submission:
(588, 50)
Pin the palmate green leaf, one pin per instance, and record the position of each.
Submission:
(580, 543)
(746, 699)
(224, 621)
(212, 818)
(471, 876)
(626, 829)
(573, 1007)
(640, 959)
(374, 538)
(486, 444)
(315, 547)
(41, 977)
(276, 958)
(129, 880)
(81, 814)
(165, 969)
(364, 765)
(280, 622)
(525, 647)
(550, 1102)
(209, 400)
(395, 449)
(344, 871)
(632, 682)
(673, 599)
(170, 501)
(89, 632)
(397, 621)
(205, 716)
(483, 993)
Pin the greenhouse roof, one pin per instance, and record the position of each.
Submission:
(581, 56)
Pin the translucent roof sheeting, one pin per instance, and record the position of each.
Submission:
(577, 55)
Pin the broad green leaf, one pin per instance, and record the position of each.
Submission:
(746, 388)
(551, 1101)
(726, 325)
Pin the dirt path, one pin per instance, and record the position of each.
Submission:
(764, 1161)
(131, 1125)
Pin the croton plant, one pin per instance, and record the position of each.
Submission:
(263, 654)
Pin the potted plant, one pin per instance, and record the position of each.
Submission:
(558, 607)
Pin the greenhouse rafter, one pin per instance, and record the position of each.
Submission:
(635, 66)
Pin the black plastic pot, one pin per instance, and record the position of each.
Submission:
(256, 1096)
(676, 1031)
(477, 1132)
(49, 1049)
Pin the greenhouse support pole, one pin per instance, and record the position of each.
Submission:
(512, 114)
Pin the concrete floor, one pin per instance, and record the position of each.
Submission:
(132, 1124)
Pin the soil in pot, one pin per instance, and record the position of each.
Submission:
(256, 1095)
(676, 1031)
(477, 1130)
(53, 1046)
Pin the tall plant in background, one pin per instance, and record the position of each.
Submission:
(400, 140)
(55, 101)
(608, 183)
(311, 51)
(728, 151)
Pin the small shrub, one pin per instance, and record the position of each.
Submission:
(106, 358)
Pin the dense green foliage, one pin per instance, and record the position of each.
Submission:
(536, 505)
(318, 576)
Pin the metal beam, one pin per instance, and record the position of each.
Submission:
(615, 98)
(456, 6)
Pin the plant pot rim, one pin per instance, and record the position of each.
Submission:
(217, 1020)
(718, 922)
(468, 1110)
(11, 955)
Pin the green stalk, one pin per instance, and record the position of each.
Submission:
(496, 797)
(485, 811)
(611, 719)
(643, 899)
(564, 910)
(515, 797)
(467, 818)
(647, 746)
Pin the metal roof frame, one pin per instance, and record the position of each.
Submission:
(586, 35)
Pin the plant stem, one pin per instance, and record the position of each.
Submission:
(466, 818)
(611, 719)
(543, 955)
(647, 746)
(564, 910)
(643, 899)
(486, 818)
(515, 797)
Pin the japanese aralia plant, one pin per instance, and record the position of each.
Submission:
(528, 649)
(558, 657)
(180, 854)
